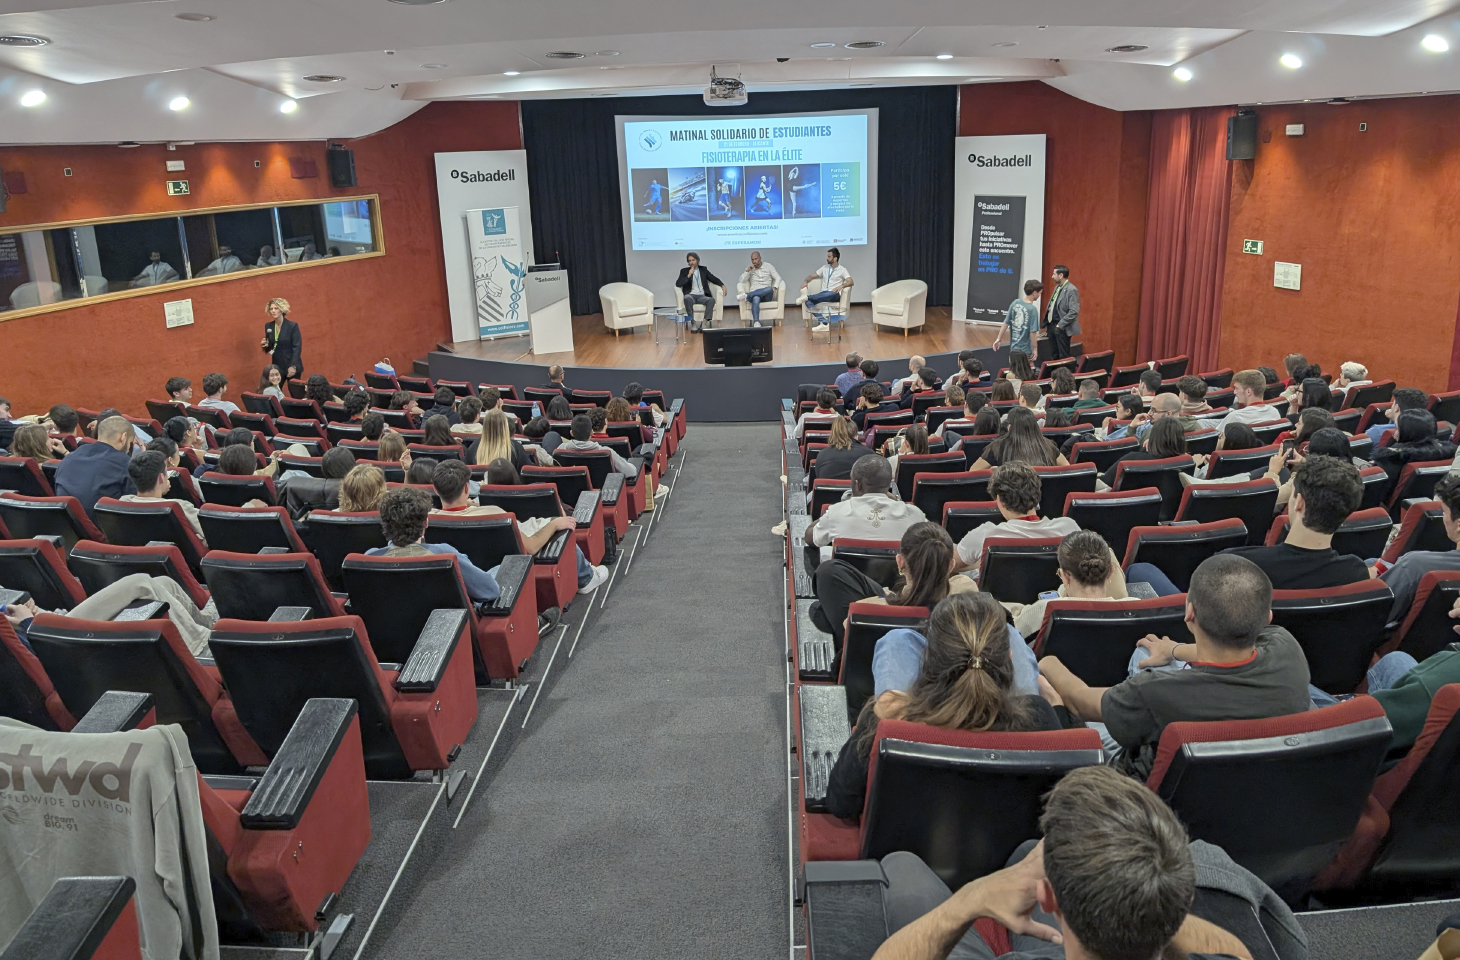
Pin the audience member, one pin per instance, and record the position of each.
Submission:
(469, 417)
(1089, 395)
(1020, 369)
(1294, 362)
(445, 406)
(556, 378)
(1058, 417)
(96, 470)
(271, 382)
(215, 385)
(913, 439)
(436, 432)
(193, 625)
(318, 389)
(634, 394)
(582, 430)
(870, 513)
(1405, 398)
(496, 441)
(139, 436)
(179, 389)
(1015, 489)
(973, 402)
(403, 514)
(1414, 442)
(1193, 393)
(362, 488)
(598, 419)
(1062, 384)
(421, 471)
(544, 441)
(558, 410)
(1003, 391)
(35, 441)
(148, 471)
(356, 404)
(405, 400)
(502, 473)
(1031, 398)
(870, 369)
(954, 395)
(847, 381)
(1351, 374)
(1164, 438)
(618, 411)
(1149, 385)
(61, 420)
(1021, 442)
(372, 426)
(1088, 570)
(1248, 387)
(1404, 575)
(1311, 393)
(924, 381)
(868, 401)
(1240, 668)
(1269, 375)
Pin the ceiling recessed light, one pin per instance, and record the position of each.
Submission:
(605, 53)
(434, 66)
(1182, 74)
(824, 43)
(1291, 60)
(22, 40)
(194, 17)
(417, 3)
(32, 98)
(323, 78)
(864, 45)
(944, 56)
(1127, 48)
(178, 103)
(289, 106)
(1006, 43)
(511, 73)
(563, 55)
(1435, 43)
(128, 144)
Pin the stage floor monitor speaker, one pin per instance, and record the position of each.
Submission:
(1242, 137)
(738, 346)
(342, 167)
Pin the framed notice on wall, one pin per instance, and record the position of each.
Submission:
(998, 222)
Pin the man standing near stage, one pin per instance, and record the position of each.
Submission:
(760, 281)
(695, 281)
(834, 277)
(1062, 321)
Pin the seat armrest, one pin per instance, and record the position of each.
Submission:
(800, 569)
(13, 597)
(552, 551)
(267, 550)
(613, 488)
(142, 610)
(845, 916)
(54, 539)
(675, 407)
(74, 920)
(824, 729)
(290, 614)
(585, 509)
(638, 464)
(159, 543)
(280, 799)
(427, 663)
(513, 575)
(116, 711)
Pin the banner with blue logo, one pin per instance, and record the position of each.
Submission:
(498, 268)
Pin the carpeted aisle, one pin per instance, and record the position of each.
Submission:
(642, 813)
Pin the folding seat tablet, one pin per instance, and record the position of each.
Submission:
(1339, 628)
(249, 529)
(1114, 513)
(86, 658)
(1428, 628)
(27, 517)
(26, 692)
(601, 474)
(23, 475)
(1313, 772)
(136, 524)
(866, 624)
(81, 918)
(909, 465)
(236, 491)
(413, 716)
(98, 565)
(248, 586)
(36, 567)
(1095, 638)
(588, 508)
(1163, 474)
(1018, 569)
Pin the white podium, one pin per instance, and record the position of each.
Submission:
(549, 318)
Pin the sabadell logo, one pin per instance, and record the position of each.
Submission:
(467, 176)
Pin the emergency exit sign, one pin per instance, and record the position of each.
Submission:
(177, 188)
(1252, 246)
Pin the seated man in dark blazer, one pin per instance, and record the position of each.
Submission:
(96, 470)
(555, 380)
(695, 281)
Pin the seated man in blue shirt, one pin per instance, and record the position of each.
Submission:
(403, 513)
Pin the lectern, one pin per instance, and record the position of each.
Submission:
(549, 318)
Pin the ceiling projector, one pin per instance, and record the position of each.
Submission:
(725, 91)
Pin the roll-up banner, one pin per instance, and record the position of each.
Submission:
(998, 223)
(497, 269)
(474, 181)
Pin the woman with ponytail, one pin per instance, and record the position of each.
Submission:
(1088, 571)
(966, 683)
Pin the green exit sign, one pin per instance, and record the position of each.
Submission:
(177, 188)
(1252, 246)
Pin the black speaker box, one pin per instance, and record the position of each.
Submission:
(342, 165)
(1241, 137)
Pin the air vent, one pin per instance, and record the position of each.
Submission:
(1128, 48)
(194, 17)
(128, 144)
(864, 45)
(1005, 43)
(22, 40)
(417, 3)
(323, 78)
(1340, 101)
(564, 55)
(435, 66)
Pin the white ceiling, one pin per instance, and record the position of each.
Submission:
(112, 65)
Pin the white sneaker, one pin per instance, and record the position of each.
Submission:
(779, 530)
(800, 300)
(661, 491)
(600, 575)
(740, 297)
(820, 328)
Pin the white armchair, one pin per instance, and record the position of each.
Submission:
(719, 311)
(810, 310)
(626, 306)
(771, 311)
(902, 303)
(32, 294)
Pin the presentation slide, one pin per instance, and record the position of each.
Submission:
(787, 185)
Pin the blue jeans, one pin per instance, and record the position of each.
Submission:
(1382, 676)
(585, 569)
(824, 296)
(1150, 573)
(754, 297)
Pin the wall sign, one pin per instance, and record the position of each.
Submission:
(179, 313)
(998, 222)
(177, 188)
(1288, 276)
(1252, 246)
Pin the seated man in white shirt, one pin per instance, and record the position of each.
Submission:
(824, 413)
(226, 263)
(834, 277)
(215, 385)
(1248, 387)
(148, 471)
(1015, 488)
(157, 271)
(871, 513)
(760, 281)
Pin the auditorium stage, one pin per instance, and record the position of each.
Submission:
(714, 393)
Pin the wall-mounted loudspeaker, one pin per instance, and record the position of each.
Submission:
(342, 166)
(1242, 137)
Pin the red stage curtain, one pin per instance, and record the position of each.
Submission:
(1186, 237)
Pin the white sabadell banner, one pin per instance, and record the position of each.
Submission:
(998, 223)
(497, 269)
(477, 180)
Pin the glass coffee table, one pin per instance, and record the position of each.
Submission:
(671, 313)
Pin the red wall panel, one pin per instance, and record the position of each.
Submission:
(351, 314)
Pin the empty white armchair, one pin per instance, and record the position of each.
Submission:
(771, 311)
(839, 308)
(32, 294)
(902, 303)
(626, 306)
(719, 311)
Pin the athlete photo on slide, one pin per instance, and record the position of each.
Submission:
(803, 189)
(763, 193)
(727, 199)
(687, 193)
(651, 194)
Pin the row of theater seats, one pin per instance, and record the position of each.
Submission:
(1327, 820)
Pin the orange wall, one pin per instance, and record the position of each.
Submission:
(1371, 218)
(1095, 195)
(351, 314)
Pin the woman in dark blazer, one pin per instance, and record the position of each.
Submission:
(283, 340)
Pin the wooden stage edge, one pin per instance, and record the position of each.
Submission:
(794, 345)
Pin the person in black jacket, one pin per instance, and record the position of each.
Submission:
(283, 340)
(1415, 441)
(966, 683)
(695, 281)
(842, 450)
(96, 470)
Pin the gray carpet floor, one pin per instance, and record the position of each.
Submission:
(642, 812)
